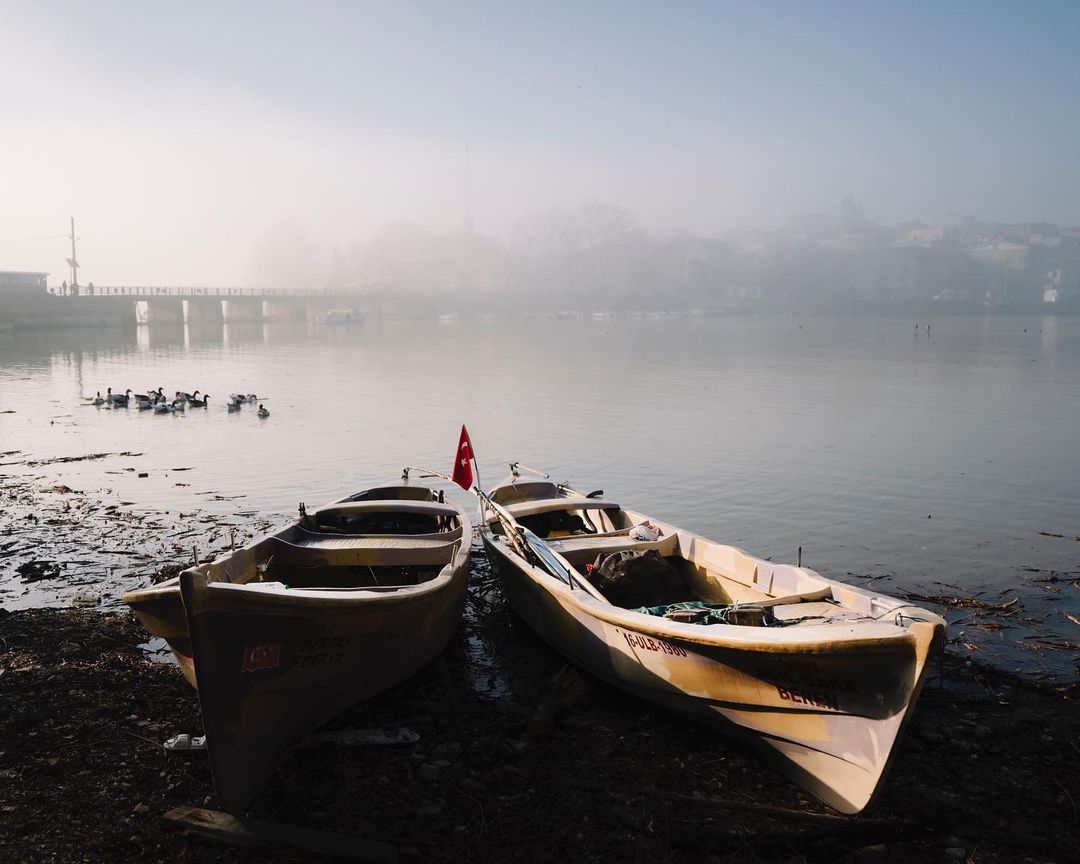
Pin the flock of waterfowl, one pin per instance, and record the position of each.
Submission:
(159, 403)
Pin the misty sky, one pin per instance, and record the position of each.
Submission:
(179, 134)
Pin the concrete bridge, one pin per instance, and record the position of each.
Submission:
(180, 304)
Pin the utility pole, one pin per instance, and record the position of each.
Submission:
(73, 262)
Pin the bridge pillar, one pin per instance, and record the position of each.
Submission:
(244, 310)
(286, 310)
(165, 310)
(204, 310)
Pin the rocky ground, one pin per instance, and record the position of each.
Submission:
(519, 759)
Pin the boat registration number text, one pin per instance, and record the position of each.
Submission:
(647, 643)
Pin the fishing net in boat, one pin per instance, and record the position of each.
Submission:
(699, 612)
(744, 614)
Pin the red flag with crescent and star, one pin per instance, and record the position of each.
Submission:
(463, 459)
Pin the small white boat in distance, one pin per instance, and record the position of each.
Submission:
(342, 318)
(820, 676)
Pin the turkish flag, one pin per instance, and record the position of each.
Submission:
(463, 473)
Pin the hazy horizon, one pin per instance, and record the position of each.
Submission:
(182, 137)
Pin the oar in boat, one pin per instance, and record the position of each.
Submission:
(523, 541)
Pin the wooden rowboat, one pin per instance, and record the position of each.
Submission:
(822, 682)
(336, 606)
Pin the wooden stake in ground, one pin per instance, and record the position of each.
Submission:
(237, 831)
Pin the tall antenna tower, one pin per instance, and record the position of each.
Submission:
(73, 262)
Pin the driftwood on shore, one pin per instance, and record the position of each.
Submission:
(258, 833)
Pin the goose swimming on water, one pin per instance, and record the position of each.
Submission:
(199, 403)
(233, 406)
(262, 412)
(98, 400)
(162, 408)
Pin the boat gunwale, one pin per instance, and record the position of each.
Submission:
(807, 638)
(344, 599)
(335, 597)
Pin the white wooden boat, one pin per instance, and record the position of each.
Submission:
(824, 692)
(336, 606)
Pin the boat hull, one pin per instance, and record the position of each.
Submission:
(270, 670)
(827, 713)
(280, 635)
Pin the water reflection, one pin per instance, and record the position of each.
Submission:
(206, 331)
(164, 335)
(241, 332)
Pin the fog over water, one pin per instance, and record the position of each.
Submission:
(182, 137)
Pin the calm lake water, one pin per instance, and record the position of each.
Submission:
(923, 465)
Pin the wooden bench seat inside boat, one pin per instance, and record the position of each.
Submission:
(355, 578)
(367, 552)
(549, 505)
(328, 539)
(815, 612)
(562, 517)
(360, 563)
(581, 549)
(394, 493)
(386, 518)
(527, 490)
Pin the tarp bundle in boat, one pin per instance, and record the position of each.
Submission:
(631, 578)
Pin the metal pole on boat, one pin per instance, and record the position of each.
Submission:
(516, 468)
(799, 559)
